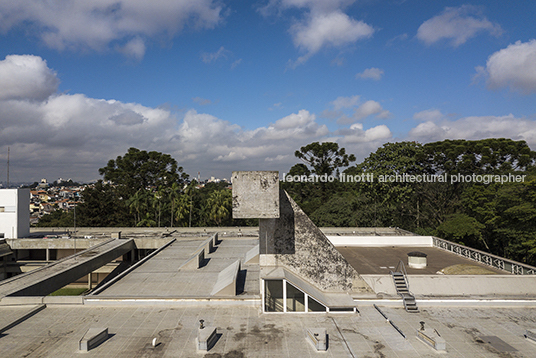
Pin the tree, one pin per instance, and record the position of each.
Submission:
(101, 207)
(219, 205)
(324, 158)
(139, 169)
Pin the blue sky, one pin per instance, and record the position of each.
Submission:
(240, 85)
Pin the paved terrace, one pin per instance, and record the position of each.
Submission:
(160, 277)
(55, 331)
(379, 260)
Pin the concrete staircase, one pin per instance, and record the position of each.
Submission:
(402, 288)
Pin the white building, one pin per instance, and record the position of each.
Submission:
(14, 213)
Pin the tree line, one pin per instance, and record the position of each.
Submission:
(496, 217)
(150, 189)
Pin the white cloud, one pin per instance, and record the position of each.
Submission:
(324, 24)
(428, 115)
(134, 48)
(372, 73)
(95, 24)
(210, 57)
(366, 109)
(476, 127)
(26, 77)
(513, 66)
(71, 135)
(355, 134)
(345, 102)
(202, 101)
(322, 29)
(457, 25)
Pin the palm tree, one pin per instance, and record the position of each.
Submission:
(219, 205)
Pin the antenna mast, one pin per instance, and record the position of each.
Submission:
(7, 167)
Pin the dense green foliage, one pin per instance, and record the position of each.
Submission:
(496, 217)
(150, 189)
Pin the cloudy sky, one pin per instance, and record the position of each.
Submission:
(240, 85)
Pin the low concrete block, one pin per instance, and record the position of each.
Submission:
(92, 338)
(319, 338)
(206, 338)
(431, 338)
(226, 282)
(252, 256)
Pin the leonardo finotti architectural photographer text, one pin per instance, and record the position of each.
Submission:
(405, 178)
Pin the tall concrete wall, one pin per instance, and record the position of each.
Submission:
(294, 242)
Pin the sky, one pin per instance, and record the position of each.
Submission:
(241, 85)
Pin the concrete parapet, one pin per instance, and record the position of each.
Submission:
(318, 337)
(226, 282)
(252, 256)
(195, 261)
(92, 338)
(63, 300)
(21, 300)
(206, 338)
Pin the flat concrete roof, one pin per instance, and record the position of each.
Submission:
(55, 331)
(379, 260)
(160, 275)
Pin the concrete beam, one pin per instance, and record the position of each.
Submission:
(45, 280)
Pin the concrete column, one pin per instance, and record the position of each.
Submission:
(89, 281)
(48, 254)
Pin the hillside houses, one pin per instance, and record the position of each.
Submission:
(44, 201)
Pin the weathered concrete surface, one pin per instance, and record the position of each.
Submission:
(255, 194)
(226, 283)
(468, 286)
(301, 247)
(55, 331)
(46, 280)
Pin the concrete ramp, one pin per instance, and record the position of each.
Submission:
(47, 279)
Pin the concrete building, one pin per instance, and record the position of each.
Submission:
(284, 289)
(14, 213)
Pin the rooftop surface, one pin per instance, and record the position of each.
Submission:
(160, 276)
(379, 260)
(55, 331)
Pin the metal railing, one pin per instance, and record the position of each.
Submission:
(485, 258)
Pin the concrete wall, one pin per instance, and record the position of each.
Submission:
(297, 244)
(14, 213)
(255, 194)
(475, 286)
(375, 241)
